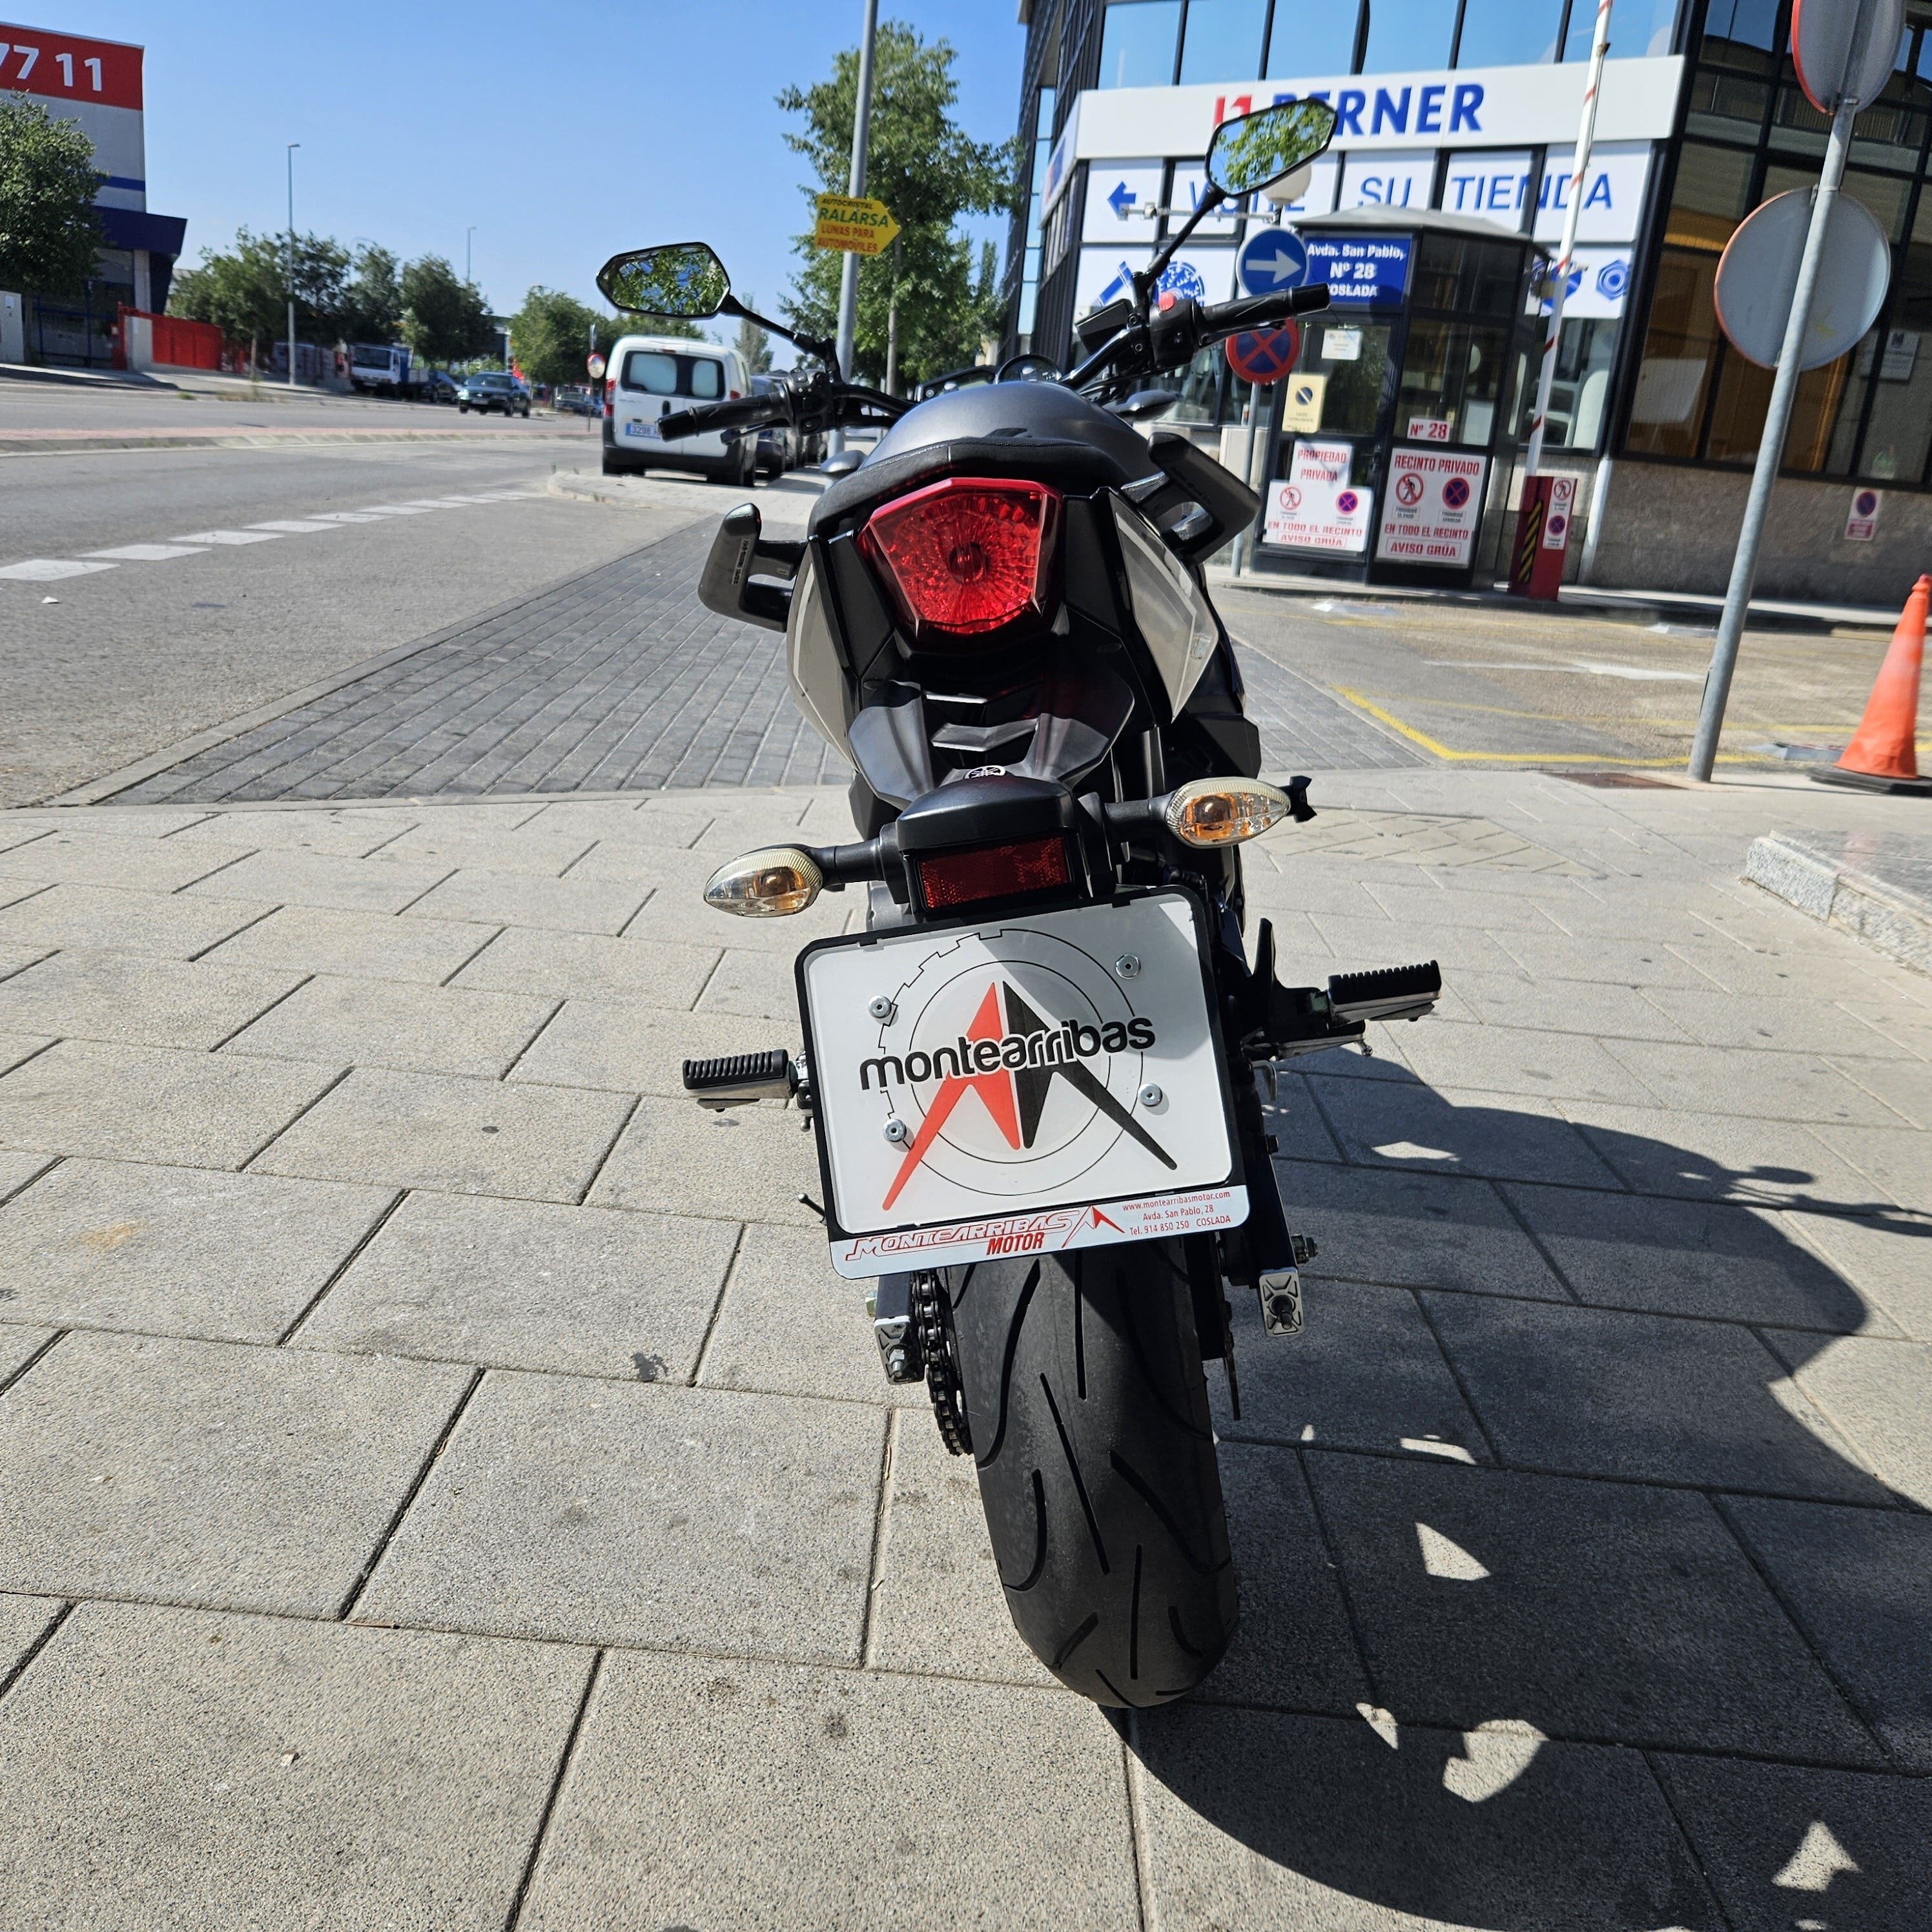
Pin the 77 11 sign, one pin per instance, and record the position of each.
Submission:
(61, 67)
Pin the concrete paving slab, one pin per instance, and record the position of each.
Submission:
(527, 852)
(627, 1047)
(99, 859)
(365, 945)
(1596, 957)
(174, 1250)
(1878, 1394)
(589, 964)
(1902, 1085)
(1647, 1396)
(1289, 1113)
(1859, 1582)
(184, 1770)
(17, 1048)
(348, 834)
(264, 1481)
(938, 1607)
(436, 1130)
(1362, 944)
(1365, 1373)
(677, 915)
(153, 822)
(133, 1001)
(1459, 1130)
(523, 1284)
(338, 1021)
(670, 867)
(1886, 1257)
(330, 880)
(1520, 1059)
(19, 1345)
(1609, 1012)
(600, 1512)
(789, 1326)
(1784, 1843)
(1710, 1258)
(498, 898)
(1609, 1611)
(1435, 901)
(1898, 1162)
(733, 1795)
(1725, 1080)
(23, 1622)
(1256, 1819)
(17, 1169)
(1413, 1228)
(1706, 1156)
(163, 925)
(757, 984)
(134, 1103)
(751, 1164)
(1784, 1025)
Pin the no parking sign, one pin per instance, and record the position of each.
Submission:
(1263, 356)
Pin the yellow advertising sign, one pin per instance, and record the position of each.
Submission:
(855, 223)
(1301, 407)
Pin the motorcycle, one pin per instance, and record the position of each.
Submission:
(1032, 1078)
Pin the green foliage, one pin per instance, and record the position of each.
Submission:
(372, 298)
(245, 291)
(49, 234)
(928, 172)
(550, 335)
(444, 318)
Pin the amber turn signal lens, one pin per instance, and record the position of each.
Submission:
(1220, 812)
(768, 884)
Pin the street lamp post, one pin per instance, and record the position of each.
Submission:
(292, 146)
(848, 273)
(468, 234)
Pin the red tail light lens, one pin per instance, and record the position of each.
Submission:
(966, 555)
(996, 872)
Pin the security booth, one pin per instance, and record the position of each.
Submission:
(1402, 402)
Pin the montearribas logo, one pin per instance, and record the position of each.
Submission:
(1010, 1064)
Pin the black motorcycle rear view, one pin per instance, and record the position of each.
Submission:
(1031, 1079)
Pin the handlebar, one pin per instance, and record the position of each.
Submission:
(742, 414)
(1230, 318)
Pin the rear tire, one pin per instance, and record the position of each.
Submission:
(1088, 1411)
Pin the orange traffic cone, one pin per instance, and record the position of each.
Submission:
(1883, 755)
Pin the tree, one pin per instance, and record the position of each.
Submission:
(245, 290)
(372, 300)
(49, 235)
(928, 172)
(551, 334)
(444, 319)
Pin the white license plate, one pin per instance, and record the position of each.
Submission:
(1041, 1082)
(650, 429)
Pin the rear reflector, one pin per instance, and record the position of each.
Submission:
(967, 555)
(996, 872)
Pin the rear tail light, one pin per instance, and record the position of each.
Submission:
(966, 555)
(610, 390)
(995, 872)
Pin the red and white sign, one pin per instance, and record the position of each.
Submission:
(1428, 429)
(1435, 503)
(1861, 523)
(97, 83)
(1562, 503)
(1023, 1090)
(1317, 508)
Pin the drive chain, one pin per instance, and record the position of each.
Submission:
(932, 1313)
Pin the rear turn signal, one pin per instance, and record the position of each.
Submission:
(1213, 811)
(966, 555)
(996, 872)
(766, 885)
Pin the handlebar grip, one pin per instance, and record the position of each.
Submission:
(740, 415)
(1262, 311)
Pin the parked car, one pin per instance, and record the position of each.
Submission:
(575, 399)
(778, 442)
(650, 376)
(436, 385)
(490, 389)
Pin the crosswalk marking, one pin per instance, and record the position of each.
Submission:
(45, 569)
(144, 553)
(229, 537)
(293, 524)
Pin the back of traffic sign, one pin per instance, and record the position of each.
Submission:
(1758, 273)
(1832, 66)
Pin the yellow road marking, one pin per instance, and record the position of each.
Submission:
(1437, 749)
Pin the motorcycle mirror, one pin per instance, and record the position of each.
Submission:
(1248, 153)
(841, 464)
(1144, 402)
(683, 278)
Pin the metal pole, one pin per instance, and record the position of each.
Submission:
(1585, 135)
(468, 236)
(861, 131)
(1248, 467)
(1771, 447)
(292, 146)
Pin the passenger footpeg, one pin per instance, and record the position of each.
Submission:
(889, 1303)
(737, 1079)
(1278, 1022)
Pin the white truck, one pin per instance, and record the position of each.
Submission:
(382, 368)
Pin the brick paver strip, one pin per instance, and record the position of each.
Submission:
(620, 680)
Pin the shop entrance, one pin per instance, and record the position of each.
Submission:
(1386, 435)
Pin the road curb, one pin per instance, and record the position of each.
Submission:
(1824, 879)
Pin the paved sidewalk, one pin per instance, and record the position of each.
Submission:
(445, 1486)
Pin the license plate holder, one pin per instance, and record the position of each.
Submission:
(1020, 1084)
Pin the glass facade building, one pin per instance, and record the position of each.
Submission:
(1470, 107)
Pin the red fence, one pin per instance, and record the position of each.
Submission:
(173, 342)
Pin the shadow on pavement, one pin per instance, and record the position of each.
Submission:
(1606, 1565)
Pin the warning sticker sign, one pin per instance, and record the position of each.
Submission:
(1435, 503)
(1317, 508)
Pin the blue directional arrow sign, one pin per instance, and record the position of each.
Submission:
(1272, 259)
(1122, 199)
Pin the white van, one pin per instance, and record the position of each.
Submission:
(648, 376)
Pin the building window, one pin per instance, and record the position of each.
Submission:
(1509, 33)
(1223, 41)
(1639, 29)
(1406, 34)
(1898, 354)
(1739, 33)
(1310, 38)
(1139, 43)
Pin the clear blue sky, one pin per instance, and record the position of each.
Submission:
(563, 133)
